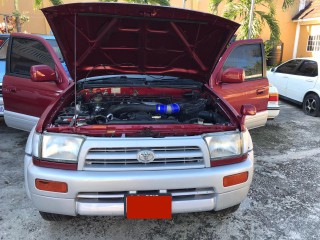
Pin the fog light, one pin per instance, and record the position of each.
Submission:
(51, 186)
(235, 179)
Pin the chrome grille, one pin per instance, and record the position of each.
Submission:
(168, 157)
(177, 194)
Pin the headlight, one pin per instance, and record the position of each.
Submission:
(224, 145)
(59, 148)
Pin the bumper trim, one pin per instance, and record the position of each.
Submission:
(273, 108)
(117, 209)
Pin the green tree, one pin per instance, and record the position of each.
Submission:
(19, 18)
(17, 14)
(286, 4)
(152, 2)
(214, 4)
(240, 9)
(38, 3)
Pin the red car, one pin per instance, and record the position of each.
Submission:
(25, 100)
(146, 116)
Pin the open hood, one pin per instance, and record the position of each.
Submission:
(113, 38)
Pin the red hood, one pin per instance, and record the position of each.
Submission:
(138, 39)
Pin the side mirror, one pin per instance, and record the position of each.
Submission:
(248, 109)
(233, 75)
(273, 69)
(42, 73)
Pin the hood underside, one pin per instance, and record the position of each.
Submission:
(111, 38)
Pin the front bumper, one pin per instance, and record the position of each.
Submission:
(273, 112)
(94, 182)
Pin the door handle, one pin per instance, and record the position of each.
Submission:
(309, 80)
(12, 89)
(260, 91)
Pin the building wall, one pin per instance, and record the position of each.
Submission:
(305, 32)
(36, 24)
(287, 27)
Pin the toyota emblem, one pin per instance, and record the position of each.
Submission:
(145, 156)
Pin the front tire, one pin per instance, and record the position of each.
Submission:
(311, 105)
(53, 217)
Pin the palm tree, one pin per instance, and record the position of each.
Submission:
(240, 10)
(17, 14)
(152, 2)
(38, 3)
(286, 4)
(214, 4)
(19, 18)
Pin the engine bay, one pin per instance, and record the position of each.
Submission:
(141, 106)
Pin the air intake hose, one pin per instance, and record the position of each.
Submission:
(159, 108)
(167, 109)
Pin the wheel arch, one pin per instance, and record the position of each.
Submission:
(312, 91)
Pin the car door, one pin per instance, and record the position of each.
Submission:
(249, 55)
(280, 76)
(25, 100)
(304, 79)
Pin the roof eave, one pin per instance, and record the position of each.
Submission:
(307, 19)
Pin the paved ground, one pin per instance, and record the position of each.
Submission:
(283, 203)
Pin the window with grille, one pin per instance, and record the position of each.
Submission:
(313, 43)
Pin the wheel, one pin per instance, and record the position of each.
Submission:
(228, 211)
(54, 217)
(311, 105)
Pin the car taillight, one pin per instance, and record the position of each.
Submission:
(273, 97)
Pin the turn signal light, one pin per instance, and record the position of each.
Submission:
(235, 179)
(51, 186)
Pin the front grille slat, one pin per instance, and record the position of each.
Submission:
(175, 193)
(110, 158)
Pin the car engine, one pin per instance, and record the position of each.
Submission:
(97, 107)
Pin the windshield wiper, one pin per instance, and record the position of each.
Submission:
(115, 80)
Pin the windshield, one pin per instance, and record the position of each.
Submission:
(56, 48)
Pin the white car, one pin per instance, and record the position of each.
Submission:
(298, 80)
(273, 103)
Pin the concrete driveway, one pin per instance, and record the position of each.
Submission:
(283, 203)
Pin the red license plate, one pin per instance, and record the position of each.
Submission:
(148, 206)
